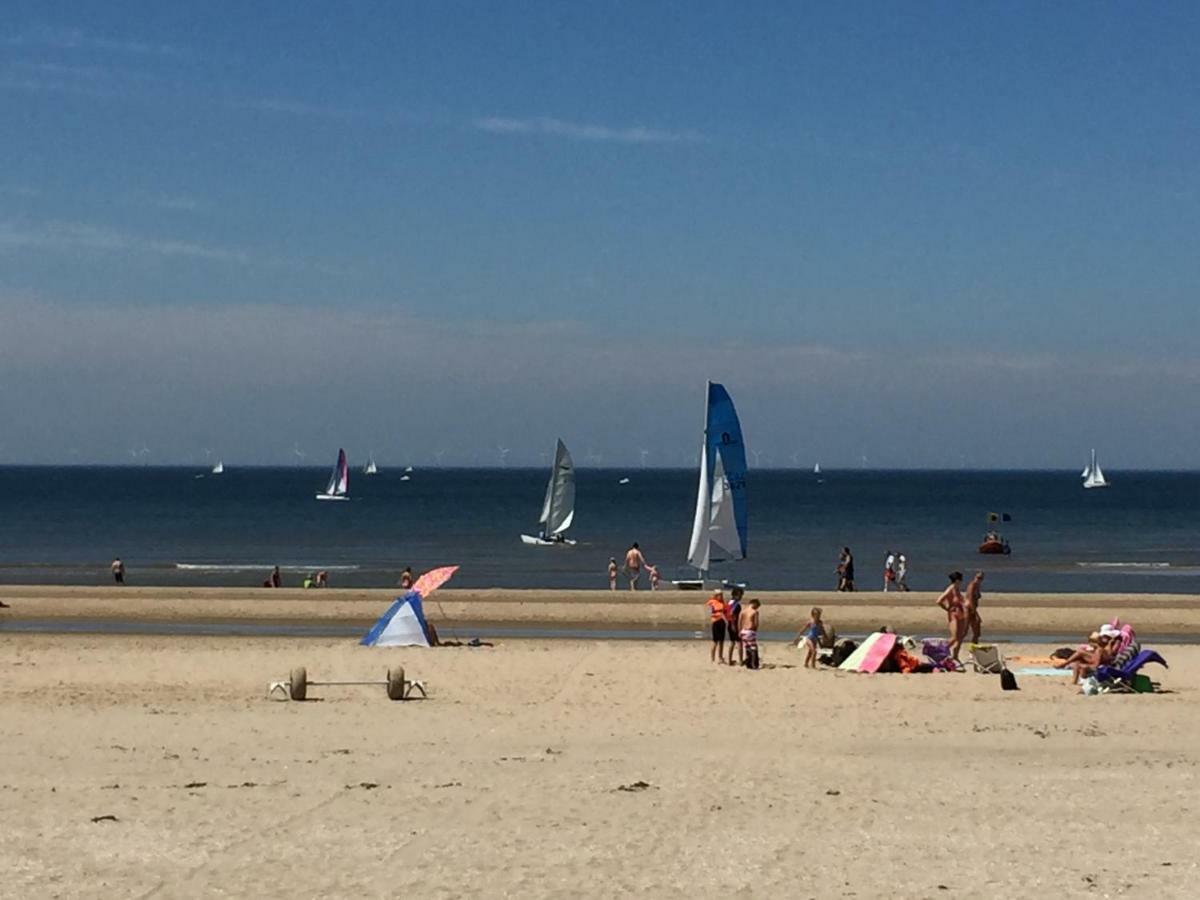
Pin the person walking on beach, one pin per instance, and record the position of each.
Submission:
(951, 600)
(118, 570)
(747, 627)
(718, 614)
(406, 578)
(655, 578)
(274, 580)
(845, 570)
(902, 573)
(634, 563)
(889, 571)
(612, 573)
(974, 593)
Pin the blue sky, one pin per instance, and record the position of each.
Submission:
(927, 234)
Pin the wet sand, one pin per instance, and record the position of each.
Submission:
(573, 768)
(914, 612)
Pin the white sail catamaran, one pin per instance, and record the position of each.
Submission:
(558, 509)
(720, 521)
(1093, 475)
(339, 482)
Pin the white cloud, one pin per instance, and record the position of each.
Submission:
(637, 134)
(78, 39)
(82, 236)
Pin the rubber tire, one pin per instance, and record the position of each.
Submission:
(298, 684)
(395, 683)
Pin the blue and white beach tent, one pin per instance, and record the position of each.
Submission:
(403, 625)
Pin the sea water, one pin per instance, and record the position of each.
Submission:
(187, 527)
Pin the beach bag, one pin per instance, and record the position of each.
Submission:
(1008, 681)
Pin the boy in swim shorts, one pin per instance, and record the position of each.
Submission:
(748, 632)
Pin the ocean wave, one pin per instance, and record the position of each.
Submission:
(1124, 565)
(259, 567)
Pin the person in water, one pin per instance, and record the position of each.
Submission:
(406, 578)
(612, 573)
(845, 570)
(973, 594)
(718, 617)
(118, 571)
(655, 578)
(634, 563)
(748, 633)
(951, 600)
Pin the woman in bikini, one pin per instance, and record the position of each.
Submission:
(951, 600)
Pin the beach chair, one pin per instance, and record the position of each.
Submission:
(1126, 679)
(986, 659)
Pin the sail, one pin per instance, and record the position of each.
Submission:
(339, 481)
(1095, 475)
(558, 509)
(370, 468)
(721, 497)
(219, 468)
(817, 469)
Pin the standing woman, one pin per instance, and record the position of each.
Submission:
(974, 594)
(951, 600)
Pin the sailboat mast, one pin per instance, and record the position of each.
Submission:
(706, 486)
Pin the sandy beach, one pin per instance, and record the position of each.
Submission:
(862, 612)
(573, 768)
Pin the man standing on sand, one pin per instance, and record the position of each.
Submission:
(902, 574)
(735, 616)
(634, 563)
(889, 571)
(118, 570)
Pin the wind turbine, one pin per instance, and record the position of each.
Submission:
(298, 453)
(503, 456)
(757, 457)
(437, 455)
(644, 453)
(593, 458)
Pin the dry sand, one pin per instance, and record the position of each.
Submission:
(1003, 614)
(508, 780)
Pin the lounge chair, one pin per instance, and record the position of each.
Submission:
(986, 658)
(1125, 679)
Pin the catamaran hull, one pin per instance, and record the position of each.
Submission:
(697, 585)
(331, 497)
(542, 542)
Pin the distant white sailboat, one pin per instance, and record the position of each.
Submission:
(370, 468)
(219, 468)
(408, 470)
(817, 469)
(623, 481)
(339, 482)
(720, 520)
(1095, 475)
(558, 509)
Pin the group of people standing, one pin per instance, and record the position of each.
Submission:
(738, 622)
(962, 609)
(895, 571)
(635, 563)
